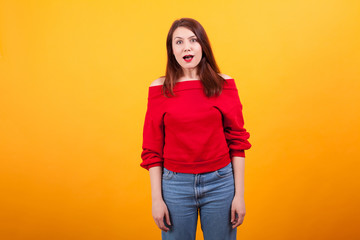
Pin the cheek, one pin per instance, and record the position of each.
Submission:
(199, 49)
(176, 52)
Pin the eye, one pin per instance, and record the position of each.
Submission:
(178, 42)
(194, 40)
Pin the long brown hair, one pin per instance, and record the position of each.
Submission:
(207, 69)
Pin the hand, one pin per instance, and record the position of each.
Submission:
(237, 208)
(159, 210)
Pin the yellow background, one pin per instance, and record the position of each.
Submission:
(74, 79)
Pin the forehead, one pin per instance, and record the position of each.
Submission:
(182, 32)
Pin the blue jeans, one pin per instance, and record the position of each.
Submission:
(209, 194)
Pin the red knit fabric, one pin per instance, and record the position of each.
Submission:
(192, 133)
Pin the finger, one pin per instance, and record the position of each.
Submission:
(238, 222)
(162, 226)
(235, 219)
(157, 224)
(232, 215)
(167, 217)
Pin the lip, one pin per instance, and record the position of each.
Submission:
(188, 60)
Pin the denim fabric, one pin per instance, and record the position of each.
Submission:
(209, 194)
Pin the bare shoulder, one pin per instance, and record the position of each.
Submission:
(225, 76)
(159, 81)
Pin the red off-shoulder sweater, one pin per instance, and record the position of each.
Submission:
(193, 133)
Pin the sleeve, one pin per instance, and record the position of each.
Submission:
(235, 133)
(153, 136)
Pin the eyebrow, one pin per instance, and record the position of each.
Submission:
(182, 38)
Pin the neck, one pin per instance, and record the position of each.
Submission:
(190, 73)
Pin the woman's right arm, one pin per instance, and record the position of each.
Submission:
(153, 144)
(159, 208)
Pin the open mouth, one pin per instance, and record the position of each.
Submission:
(188, 58)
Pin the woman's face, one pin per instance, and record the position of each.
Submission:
(186, 48)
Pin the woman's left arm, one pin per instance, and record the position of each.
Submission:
(238, 203)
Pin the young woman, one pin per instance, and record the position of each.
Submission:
(194, 141)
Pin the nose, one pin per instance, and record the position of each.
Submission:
(187, 47)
